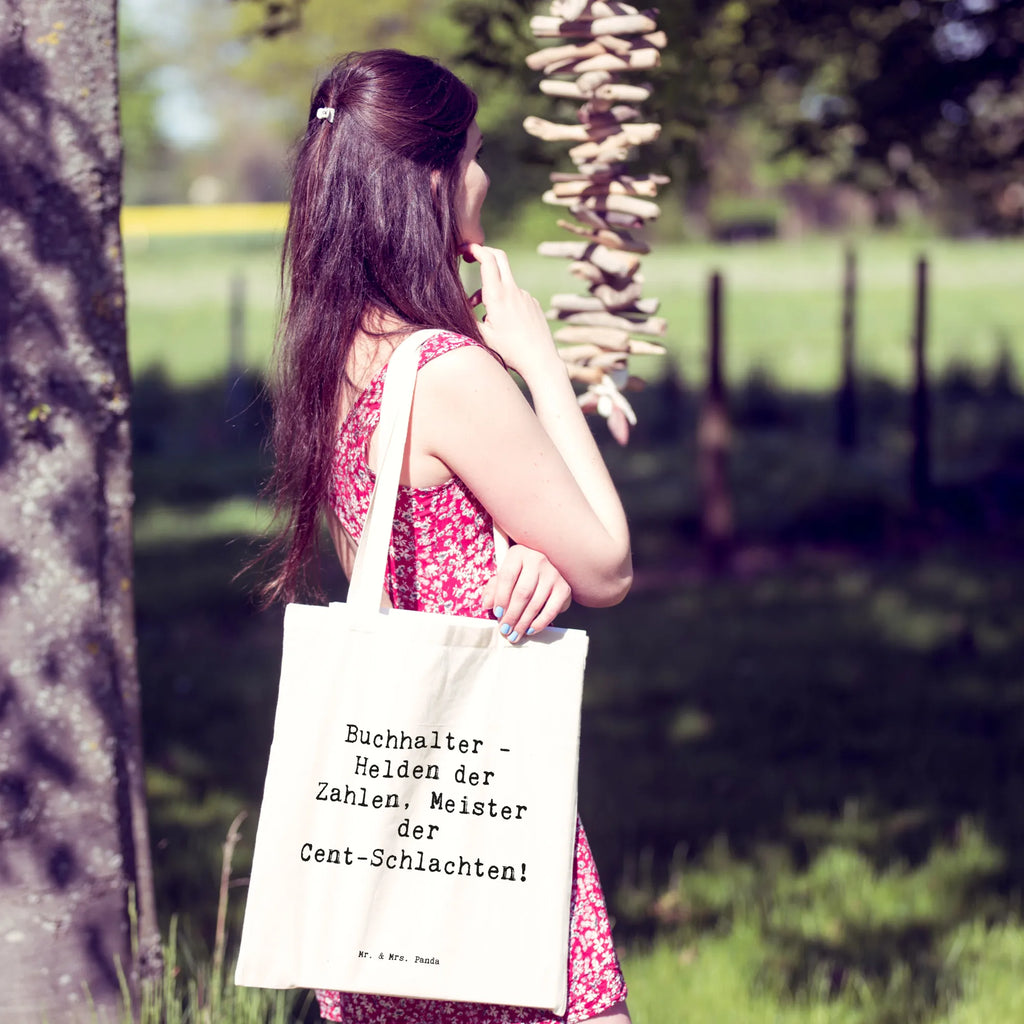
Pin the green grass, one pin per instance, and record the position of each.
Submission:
(188, 990)
(725, 977)
(179, 304)
(802, 780)
(782, 304)
(782, 310)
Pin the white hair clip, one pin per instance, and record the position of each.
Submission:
(325, 114)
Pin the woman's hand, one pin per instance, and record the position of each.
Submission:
(515, 325)
(526, 593)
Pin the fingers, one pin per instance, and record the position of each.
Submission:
(495, 269)
(515, 326)
(540, 612)
(527, 594)
(490, 271)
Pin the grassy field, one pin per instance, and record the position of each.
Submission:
(802, 780)
(782, 304)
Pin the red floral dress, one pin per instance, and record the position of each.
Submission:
(441, 558)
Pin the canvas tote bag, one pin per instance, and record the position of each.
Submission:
(416, 836)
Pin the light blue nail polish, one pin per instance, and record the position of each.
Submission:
(531, 631)
(505, 627)
(498, 612)
(514, 637)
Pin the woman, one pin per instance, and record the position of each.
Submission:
(387, 194)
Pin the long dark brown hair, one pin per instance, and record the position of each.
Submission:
(372, 235)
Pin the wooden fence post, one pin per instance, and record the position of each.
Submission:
(236, 325)
(846, 399)
(920, 414)
(713, 440)
(240, 388)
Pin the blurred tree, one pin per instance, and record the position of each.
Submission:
(284, 63)
(888, 95)
(927, 94)
(73, 836)
(255, 63)
(149, 157)
(278, 16)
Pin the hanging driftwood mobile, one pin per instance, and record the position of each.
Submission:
(597, 329)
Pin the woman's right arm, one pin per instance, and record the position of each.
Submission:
(537, 471)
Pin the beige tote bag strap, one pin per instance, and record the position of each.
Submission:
(370, 566)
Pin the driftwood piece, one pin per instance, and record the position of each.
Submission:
(585, 374)
(624, 186)
(583, 344)
(591, 219)
(601, 168)
(616, 343)
(608, 220)
(622, 92)
(549, 27)
(552, 198)
(569, 176)
(618, 298)
(632, 60)
(552, 131)
(616, 262)
(595, 276)
(645, 325)
(603, 110)
(563, 90)
(601, 339)
(588, 272)
(551, 57)
(594, 80)
(610, 339)
(616, 44)
(578, 353)
(609, 361)
(617, 219)
(615, 148)
(639, 347)
(597, 179)
(598, 87)
(592, 304)
(607, 237)
(633, 206)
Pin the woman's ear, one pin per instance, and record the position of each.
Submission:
(435, 181)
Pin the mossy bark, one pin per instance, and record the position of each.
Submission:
(73, 837)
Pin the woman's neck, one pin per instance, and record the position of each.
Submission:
(371, 348)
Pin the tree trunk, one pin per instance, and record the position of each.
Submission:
(73, 836)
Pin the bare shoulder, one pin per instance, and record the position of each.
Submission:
(466, 400)
(464, 372)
